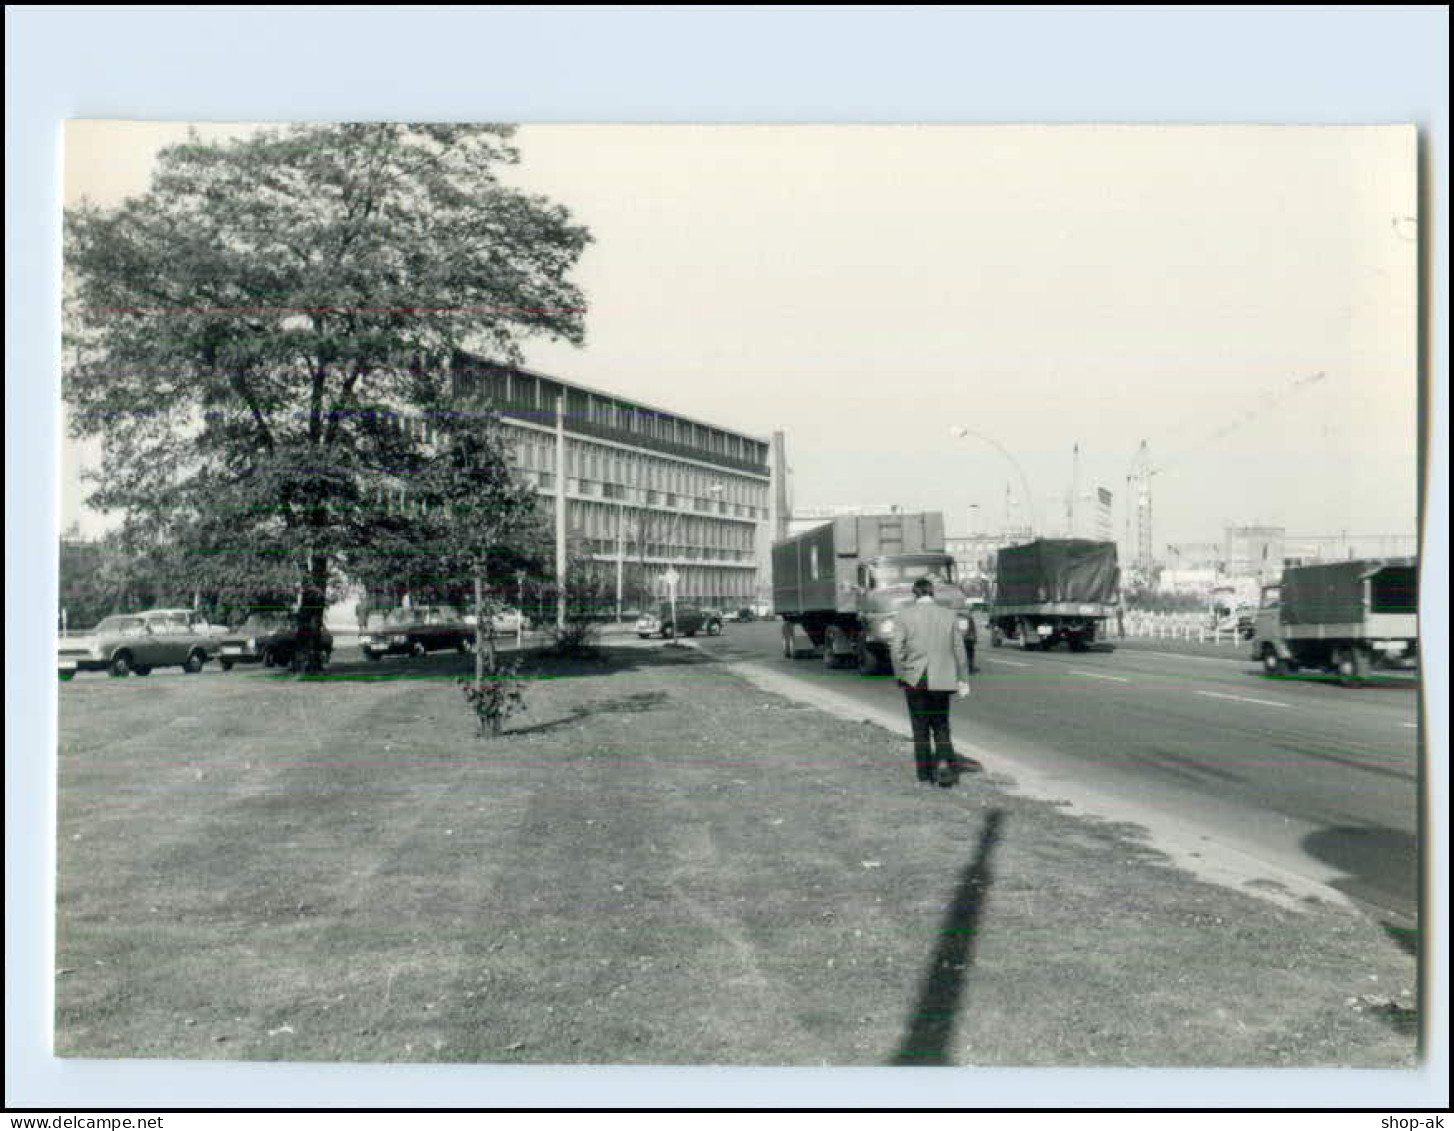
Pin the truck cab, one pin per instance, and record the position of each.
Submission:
(883, 586)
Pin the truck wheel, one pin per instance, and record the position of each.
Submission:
(1273, 664)
(1352, 666)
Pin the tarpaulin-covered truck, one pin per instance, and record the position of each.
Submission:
(1054, 590)
(1343, 617)
(843, 582)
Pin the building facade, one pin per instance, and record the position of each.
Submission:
(646, 491)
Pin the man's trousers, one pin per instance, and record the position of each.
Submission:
(928, 715)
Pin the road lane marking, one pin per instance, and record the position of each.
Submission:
(1098, 675)
(1184, 656)
(1243, 699)
(1011, 663)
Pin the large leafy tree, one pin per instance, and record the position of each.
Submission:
(262, 340)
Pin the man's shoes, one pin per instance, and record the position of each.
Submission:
(967, 765)
(946, 774)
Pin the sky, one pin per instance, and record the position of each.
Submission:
(866, 288)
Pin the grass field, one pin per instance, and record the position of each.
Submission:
(658, 864)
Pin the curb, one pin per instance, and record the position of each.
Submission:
(1188, 848)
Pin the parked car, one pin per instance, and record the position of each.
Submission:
(415, 632)
(139, 642)
(743, 615)
(690, 620)
(270, 639)
(510, 621)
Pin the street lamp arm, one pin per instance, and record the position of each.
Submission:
(960, 431)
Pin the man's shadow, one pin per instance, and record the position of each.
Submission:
(930, 1032)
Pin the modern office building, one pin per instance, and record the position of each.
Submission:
(645, 491)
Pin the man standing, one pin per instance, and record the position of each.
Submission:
(930, 662)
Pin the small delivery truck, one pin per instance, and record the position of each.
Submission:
(843, 582)
(1052, 591)
(1345, 617)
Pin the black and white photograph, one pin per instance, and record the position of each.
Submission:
(740, 595)
(584, 573)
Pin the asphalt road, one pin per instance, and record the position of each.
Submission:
(1319, 779)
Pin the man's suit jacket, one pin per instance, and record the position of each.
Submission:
(927, 639)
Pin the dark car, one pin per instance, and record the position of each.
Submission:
(270, 639)
(690, 620)
(415, 632)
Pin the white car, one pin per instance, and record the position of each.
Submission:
(510, 620)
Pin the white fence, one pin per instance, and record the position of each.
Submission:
(1177, 626)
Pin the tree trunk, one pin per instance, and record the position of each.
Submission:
(479, 627)
(309, 656)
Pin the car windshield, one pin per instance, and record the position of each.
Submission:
(119, 624)
(938, 570)
(404, 616)
(266, 622)
(442, 614)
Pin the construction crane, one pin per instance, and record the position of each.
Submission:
(1142, 470)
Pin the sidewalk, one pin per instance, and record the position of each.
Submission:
(660, 864)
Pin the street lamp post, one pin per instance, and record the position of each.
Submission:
(960, 432)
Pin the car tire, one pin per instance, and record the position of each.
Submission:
(194, 663)
(141, 669)
(666, 632)
(714, 628)
(462, 645)
(120, 666)
(417, 649)
(270, 658)
(370, 655)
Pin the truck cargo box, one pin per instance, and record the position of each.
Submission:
(1057, 571)
(816, 570)
(1333, 593)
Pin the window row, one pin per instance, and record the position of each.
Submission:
(615, 469)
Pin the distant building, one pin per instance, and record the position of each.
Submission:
(975, 554)
(649, 488)
(1254, 551)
